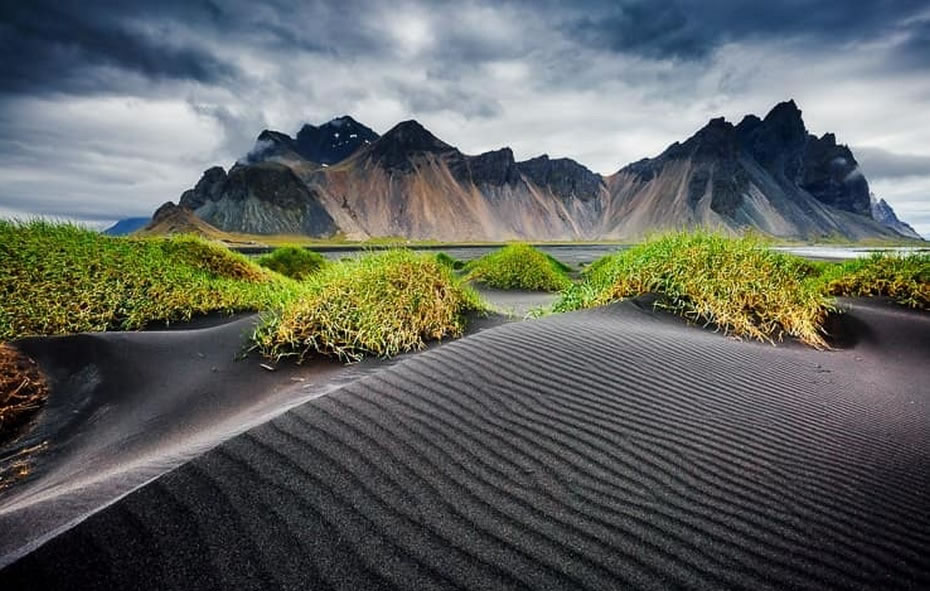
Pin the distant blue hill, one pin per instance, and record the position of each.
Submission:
(127, 226)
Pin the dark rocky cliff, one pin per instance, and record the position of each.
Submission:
(768, 174)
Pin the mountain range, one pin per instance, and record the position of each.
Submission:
(341, 178)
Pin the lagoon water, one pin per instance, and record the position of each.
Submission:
(578, 255)
(847, 252)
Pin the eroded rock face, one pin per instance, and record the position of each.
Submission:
(264, 198)
(767, 174)
(399, 148)
(165, 211)
(777, 141)
(177, 219)
(496, 168)
(334, 141)
(208, 188)
(885, 215)
(564, 177)
(831, 174)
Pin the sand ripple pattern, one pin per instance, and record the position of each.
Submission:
(606, 449)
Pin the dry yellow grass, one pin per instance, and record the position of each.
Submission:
(380, 304)
(23, 390)
(737, 284)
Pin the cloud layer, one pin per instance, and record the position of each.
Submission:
(108, 109)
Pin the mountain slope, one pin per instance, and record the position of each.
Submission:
(263, 198)
(127, 226)
(410, 183)
(177, 219)
(768, 174)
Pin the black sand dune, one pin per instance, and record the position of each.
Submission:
(605, 449)
(127, 407)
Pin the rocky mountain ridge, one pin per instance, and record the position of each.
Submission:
(883, 213)
(768, 174)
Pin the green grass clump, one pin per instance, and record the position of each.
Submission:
(518, 266)
(905, 279)
(293, 261)
(739, 285)
(453, 263)
(380, 304)
(60, 279)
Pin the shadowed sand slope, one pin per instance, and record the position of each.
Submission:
(129, 406)
(604, 449)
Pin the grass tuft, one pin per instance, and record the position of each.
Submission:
(61, 279)
(518, 266)
(905, 279)
(448, 261)
(293, 261)
(380, 304)
(23, 391)
(739, 285)
(211, 257)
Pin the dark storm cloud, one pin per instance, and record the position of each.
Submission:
(89, 47)
(57, 46)
(650, 28)
(688, 29)
(914, 52)
(73, 46)
(131, 99)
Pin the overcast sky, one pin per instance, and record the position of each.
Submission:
(110, 108)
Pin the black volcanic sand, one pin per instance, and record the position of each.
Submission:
(126, 407)
(610, 448)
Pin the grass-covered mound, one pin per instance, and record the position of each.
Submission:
(739, 285)
(293, 261)
(905, 279)
(380, 304)
(453, 263)
(519, 266)
(59, 279)
(23, 391)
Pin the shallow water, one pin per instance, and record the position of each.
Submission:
(579, 255)
(570, 254)
(847, 252)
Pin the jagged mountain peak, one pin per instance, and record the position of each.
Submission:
(407, 140)
(749, 121)
(334, 141)
(883, 213)
(328, 143)
(785, 122)
(717, 131)
(270, 144)
(549, 162)
(785, 108)
(564, 176)
(505, 153)
(766, 173)
(412, 135)
(342, 121)
(828, 138)
(275, 136)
